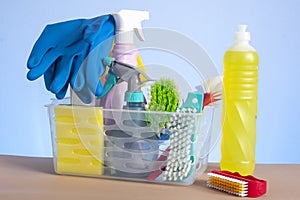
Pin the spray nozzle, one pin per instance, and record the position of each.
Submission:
(126, 72)
(128, 21)
(123, 72)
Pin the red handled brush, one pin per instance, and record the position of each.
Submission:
(214, 92)
(234, 183)
(163, 158)
(211, 98)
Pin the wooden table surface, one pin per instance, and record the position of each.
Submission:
(34, 178)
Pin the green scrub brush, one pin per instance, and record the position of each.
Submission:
(164, 97)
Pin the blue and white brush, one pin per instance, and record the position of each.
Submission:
(182, 125)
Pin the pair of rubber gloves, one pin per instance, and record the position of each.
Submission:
(71, 53)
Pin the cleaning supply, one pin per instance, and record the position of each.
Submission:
(181, 154)
(214, 91)
(163, 96)
(79, 140)
(234, 183)
(125, 51)
(240, 105)
(181, 158)
(59, 52)
(139, 150)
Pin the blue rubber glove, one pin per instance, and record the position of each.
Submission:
(60, 52)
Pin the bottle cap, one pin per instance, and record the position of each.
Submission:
(242, 34)
(134, 97)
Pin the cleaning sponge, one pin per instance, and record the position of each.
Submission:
(79, 140)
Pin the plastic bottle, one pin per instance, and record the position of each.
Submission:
(126, 96)
(127, 22)
(240, 105)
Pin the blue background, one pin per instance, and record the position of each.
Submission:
(274, 27)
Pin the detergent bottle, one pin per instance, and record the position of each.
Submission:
(239, 105)
(127, 22)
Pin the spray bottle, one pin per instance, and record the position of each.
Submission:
(127, 22)
(140, 151)
(240, 105)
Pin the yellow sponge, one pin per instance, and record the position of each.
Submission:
(79, 140)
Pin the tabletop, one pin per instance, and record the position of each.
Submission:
(34, 178)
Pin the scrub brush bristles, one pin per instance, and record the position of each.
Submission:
(226, 184)
(164, 96)
(234, 183)
(181, 156)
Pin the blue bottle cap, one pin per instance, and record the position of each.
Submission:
(134, 97)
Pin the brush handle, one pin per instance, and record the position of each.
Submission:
(154, 174)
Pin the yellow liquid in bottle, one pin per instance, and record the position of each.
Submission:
(239, 111)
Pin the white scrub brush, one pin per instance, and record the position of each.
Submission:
(182, 125)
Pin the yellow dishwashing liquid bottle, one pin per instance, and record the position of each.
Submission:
(239, 105)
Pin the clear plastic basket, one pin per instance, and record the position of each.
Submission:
(108, 143)
(128, 144)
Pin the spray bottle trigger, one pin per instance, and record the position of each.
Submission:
(139, 33)
(111, 81)
(107, 61)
